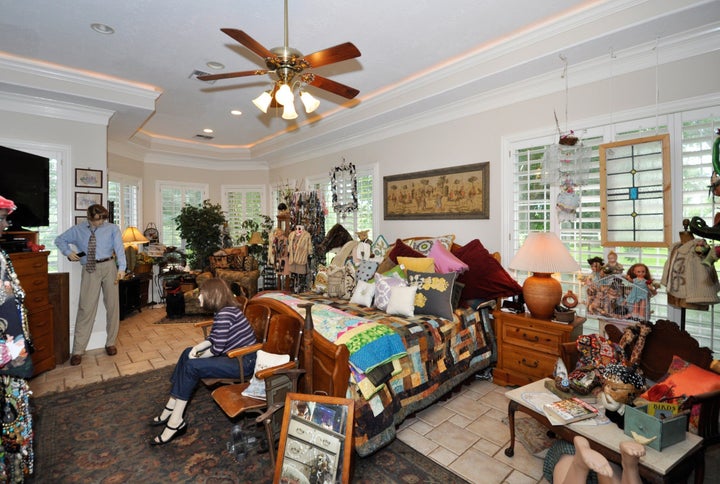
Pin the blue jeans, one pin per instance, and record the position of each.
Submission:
(188, 372)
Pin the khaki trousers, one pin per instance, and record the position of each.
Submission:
(104, 277)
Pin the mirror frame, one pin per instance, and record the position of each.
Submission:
(305, 428)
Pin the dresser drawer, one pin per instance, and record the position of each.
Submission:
(521, 360)
(36, 290)
(41, 323)
(531, 337)
(29, 263)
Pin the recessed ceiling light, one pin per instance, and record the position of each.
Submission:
(236, 112)
(102, 29)
(215, 65)
(207, 130)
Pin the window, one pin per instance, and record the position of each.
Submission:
(240, 204)
(123, 192)
(534, 199)
(173, 197)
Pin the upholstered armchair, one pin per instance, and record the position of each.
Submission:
(236, 266)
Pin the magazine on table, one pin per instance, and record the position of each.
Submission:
(569, 410)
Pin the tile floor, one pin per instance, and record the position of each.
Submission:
(464, 433)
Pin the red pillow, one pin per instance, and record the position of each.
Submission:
(402, 249)
(486, 278)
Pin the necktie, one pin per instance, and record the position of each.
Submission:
(90, 263)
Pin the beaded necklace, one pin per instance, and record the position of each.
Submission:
(11, 288)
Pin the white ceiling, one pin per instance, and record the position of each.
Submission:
(416, 55)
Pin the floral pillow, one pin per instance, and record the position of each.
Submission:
(434, 293)
(424, 244)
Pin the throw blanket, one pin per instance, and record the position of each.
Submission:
(370, 344)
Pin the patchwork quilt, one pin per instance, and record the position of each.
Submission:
(398, 365)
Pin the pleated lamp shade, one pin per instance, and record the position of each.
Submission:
(543, 254)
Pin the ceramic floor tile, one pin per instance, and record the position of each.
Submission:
(466, 407)
(491, 429)
(418, 442)
(443, 456)
(479, 468)
(452, 437)
(435, 415)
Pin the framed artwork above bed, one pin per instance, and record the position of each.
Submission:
(459, 192)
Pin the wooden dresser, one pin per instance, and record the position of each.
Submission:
(529, 348)
(32, 270)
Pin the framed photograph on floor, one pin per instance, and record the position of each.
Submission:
(460, 192)
(84, 199)
(315, 440)
(86, 178)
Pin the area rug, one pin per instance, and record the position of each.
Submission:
(188, 318)
(532, 435)
(99, 433)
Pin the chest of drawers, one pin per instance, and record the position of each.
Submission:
(528, 348)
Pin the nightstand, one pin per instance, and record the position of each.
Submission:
(529, 348)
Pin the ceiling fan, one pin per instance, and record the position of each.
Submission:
(291, 68)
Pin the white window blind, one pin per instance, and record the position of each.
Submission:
(124, 192)
(173, 197)
(240, 204)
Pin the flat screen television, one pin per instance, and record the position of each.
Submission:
(26, 181)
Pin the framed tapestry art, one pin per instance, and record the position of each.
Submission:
(460, 192)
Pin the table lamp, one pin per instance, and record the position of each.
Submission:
(543, 254)
(256, 239)
(131, 238)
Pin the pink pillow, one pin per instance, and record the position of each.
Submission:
(486, 278)
(445, 261)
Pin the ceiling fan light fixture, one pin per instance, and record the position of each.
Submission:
(309, 101)
(263, 101)
(289, 111)
(284, 95)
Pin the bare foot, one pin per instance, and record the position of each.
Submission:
(591, 459)
(631, 452)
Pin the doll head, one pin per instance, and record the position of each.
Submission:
(596, 263)
(639, 270)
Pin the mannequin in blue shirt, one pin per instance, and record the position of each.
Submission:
(109, 269)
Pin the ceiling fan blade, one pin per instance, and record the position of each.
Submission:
(229, 75)
(333, 54)
(249, 42)
(334, 87)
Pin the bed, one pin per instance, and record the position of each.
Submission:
(391, 366)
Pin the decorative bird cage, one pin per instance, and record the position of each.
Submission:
(615, 299)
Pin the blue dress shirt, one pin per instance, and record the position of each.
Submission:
(109, 240)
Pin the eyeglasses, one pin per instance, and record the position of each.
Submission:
(6, 221)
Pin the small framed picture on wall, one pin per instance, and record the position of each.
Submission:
(80, 219)
(84, 199)
(86, 178)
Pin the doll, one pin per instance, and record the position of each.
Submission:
(612, 266)
(642, 290)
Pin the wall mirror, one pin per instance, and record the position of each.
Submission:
(635, 202)
(316, 440)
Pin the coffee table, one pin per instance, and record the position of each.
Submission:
(673, 464)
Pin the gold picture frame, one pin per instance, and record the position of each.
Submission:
(316, 439)
(460, 192)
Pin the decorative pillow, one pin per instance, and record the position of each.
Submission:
(363, 293)
(456, 293)
(385, 265)
(379, 247)
(682, 379)
(445, 261)
(263, 360)
(383, 286)
(424, 244)
(336, 281)
(218, 262)
(241, 251)
(397, 271)
(402, 301)
(486, 277)
(350, 278)
(320, 284)
(402, 249)
(417, 264)
(434, 293)
(366, 270)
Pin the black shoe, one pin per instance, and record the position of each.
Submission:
(179, 431)
(156, 422)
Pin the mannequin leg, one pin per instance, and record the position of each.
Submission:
(631, 452)
(573, 469)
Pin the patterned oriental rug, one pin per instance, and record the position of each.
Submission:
(99, 433)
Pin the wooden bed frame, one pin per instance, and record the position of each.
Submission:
(326, 364)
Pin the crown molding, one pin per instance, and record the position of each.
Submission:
(49, 108)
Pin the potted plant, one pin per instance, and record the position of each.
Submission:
(201, 228)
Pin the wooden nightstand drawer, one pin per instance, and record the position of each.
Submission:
(29, 263)
(530, 337)
(535, 364)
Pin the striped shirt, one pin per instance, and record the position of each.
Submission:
(230, 330)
